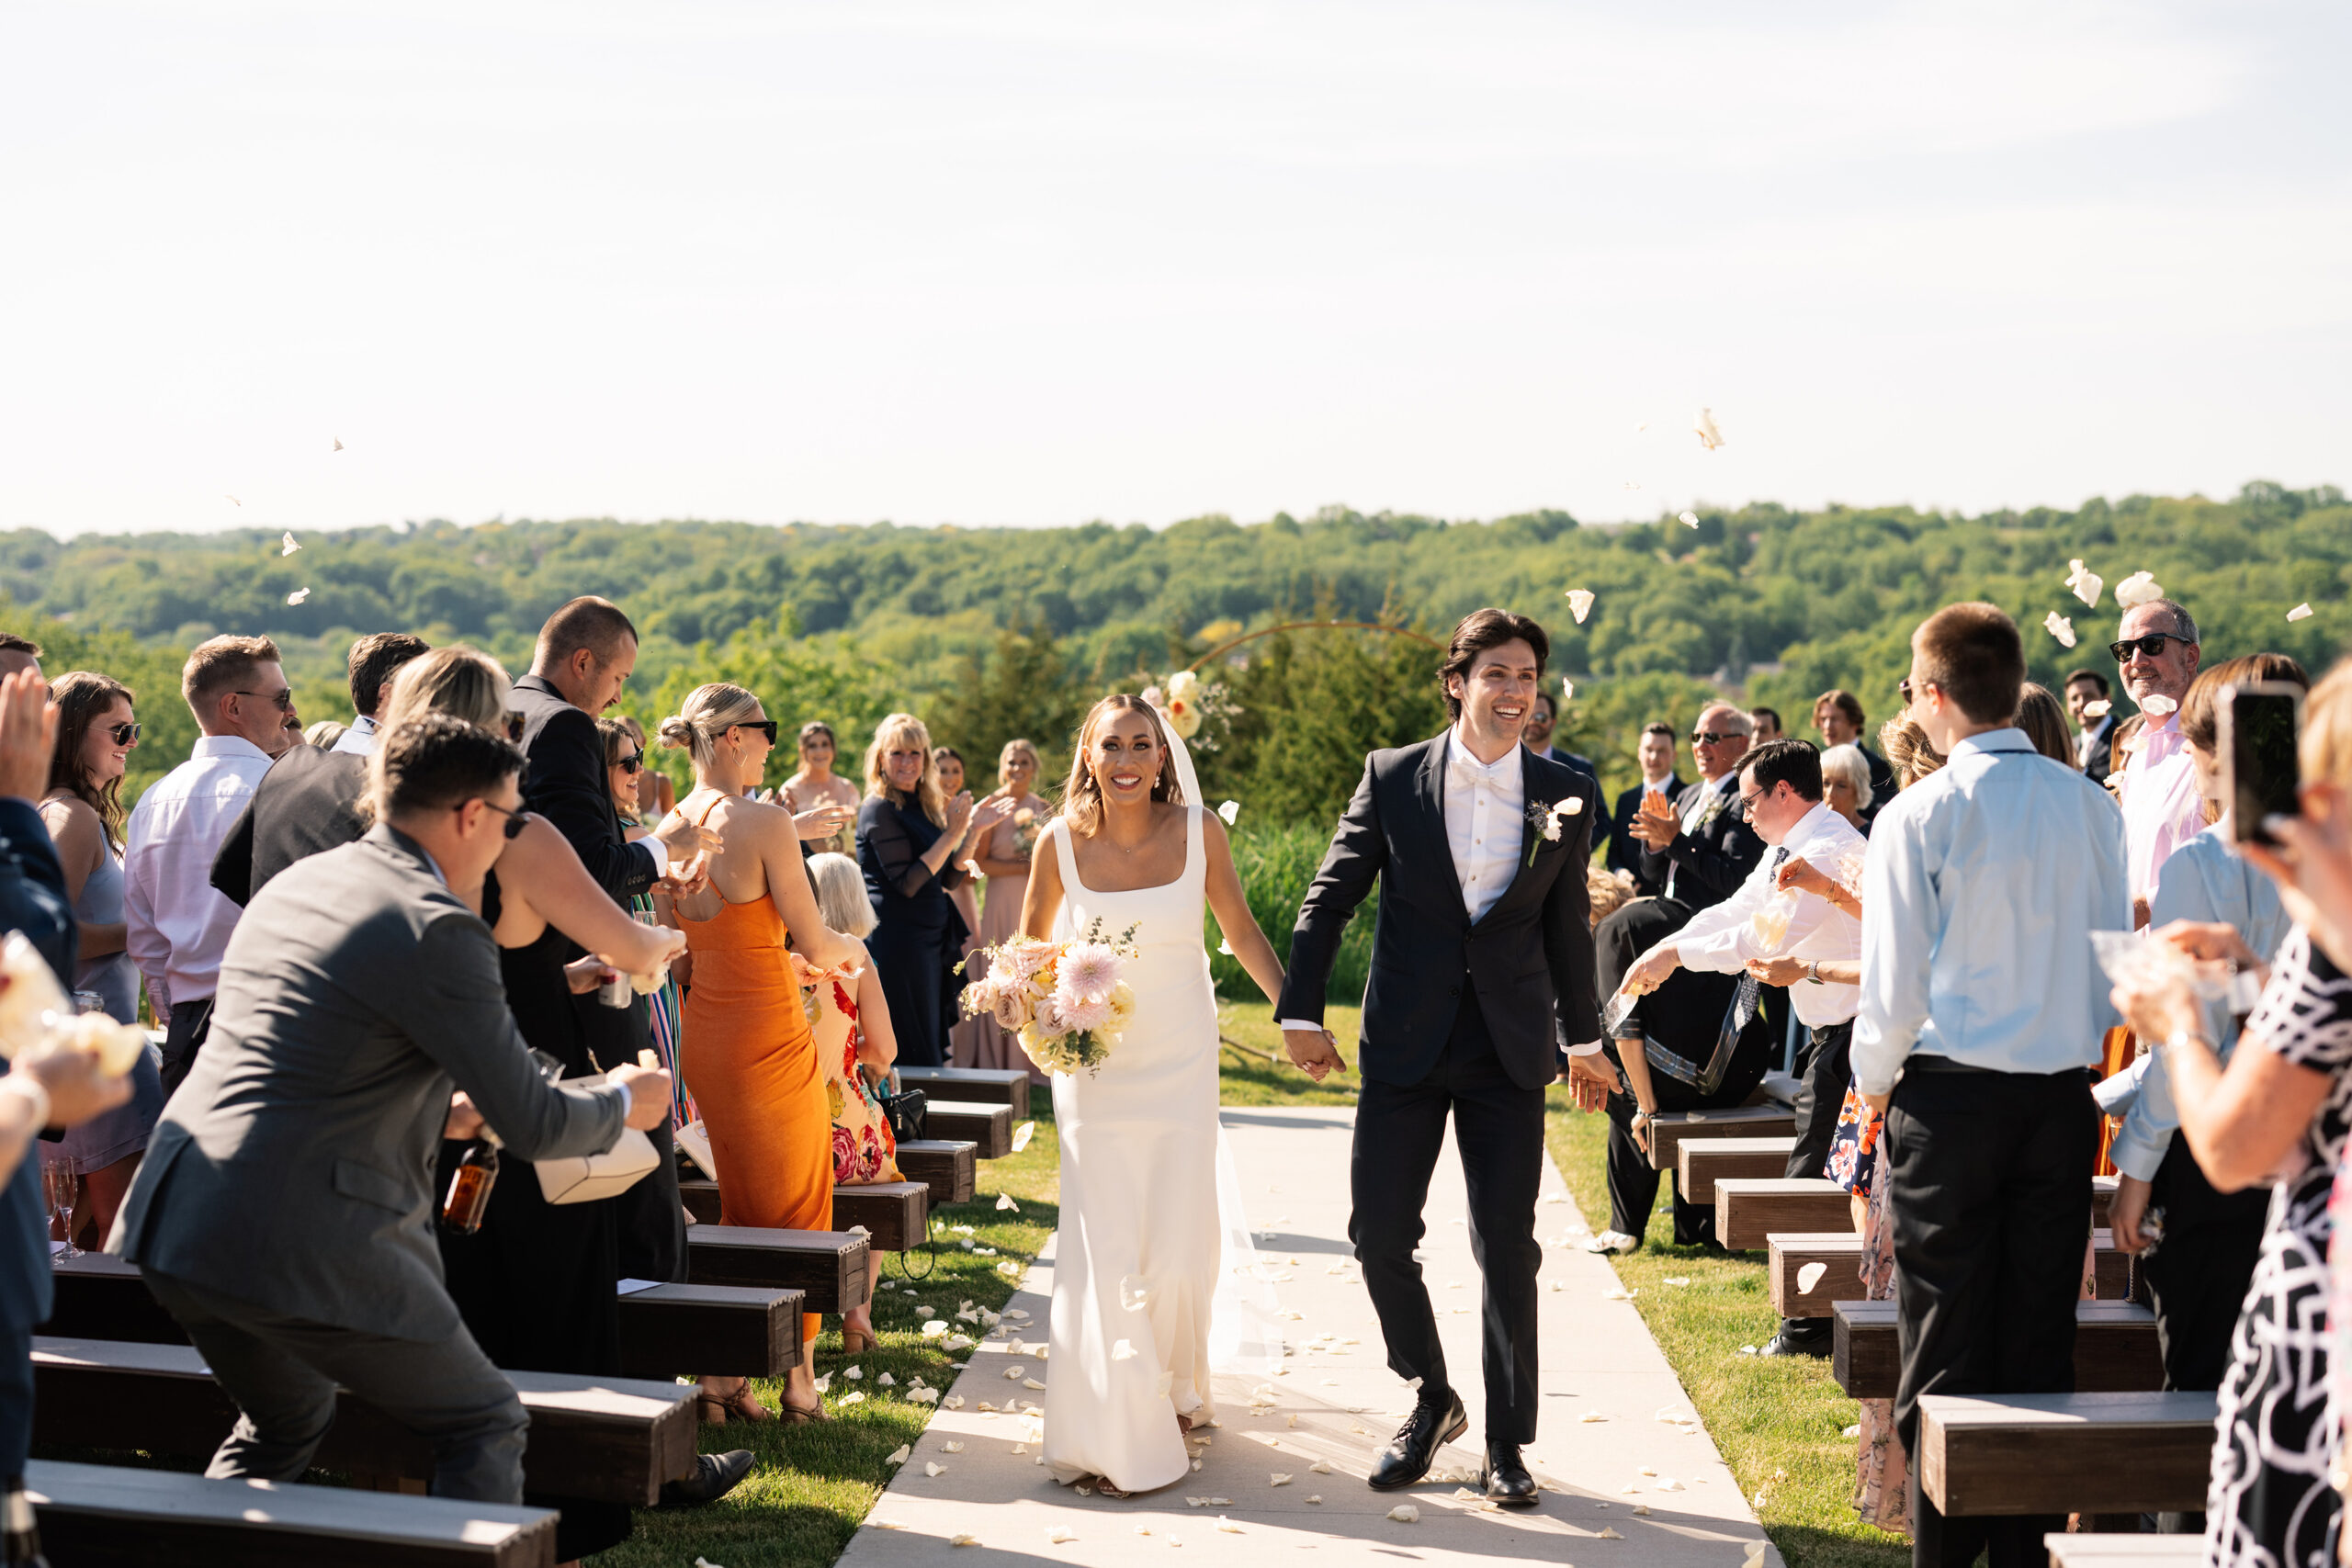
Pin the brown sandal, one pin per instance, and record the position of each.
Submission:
(717, 1409)
(793, 1416)
(856, 1341)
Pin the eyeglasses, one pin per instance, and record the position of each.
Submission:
(1747, 803)
(766, 726)
(515, 819)
(1710, 737)
(630, 764)
(285, 699)
(124, 734)
(1902, 688)
(2152, 645)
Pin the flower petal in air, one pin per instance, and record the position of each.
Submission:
(2059, 626)
(2300, 613)
(1021, 1136)
(1688, 519)
(1580, 604)
(298, 596)
(1704, 425)
(290, 547)
(1228, 811)
(2140, 588)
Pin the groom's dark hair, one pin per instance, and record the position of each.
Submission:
(1480, 630)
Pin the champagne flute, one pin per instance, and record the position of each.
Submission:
(59, 1178)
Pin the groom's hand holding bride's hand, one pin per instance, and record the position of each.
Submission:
(1315, 1052)
(1590, 1080)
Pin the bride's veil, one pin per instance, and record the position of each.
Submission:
(1245, 1326)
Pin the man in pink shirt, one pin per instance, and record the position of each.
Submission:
(2156, 650)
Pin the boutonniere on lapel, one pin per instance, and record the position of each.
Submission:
(1546, 819)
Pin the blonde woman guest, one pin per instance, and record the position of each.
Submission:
(82, 811)
(325, 733)
(625, 767)
(1003, 856)
(750, 1058)
(1846, 786)
(856, 1048)
(950, 764)
(910, 835)
(821, 802)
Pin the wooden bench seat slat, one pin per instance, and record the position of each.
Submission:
(827, 1266)
(1008, 1087)
(895, 1214)
(1668, 1131)
(1840, 1254)
(1700, 1163)
(114, 1518)
(2058, 1453)
(614, 1439)
(2093, 1550)
(2115, 1348)
(987, 1127)
(947, 1166)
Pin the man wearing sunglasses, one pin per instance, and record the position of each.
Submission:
(1702, 848)
(176, 924)
(2156, 651)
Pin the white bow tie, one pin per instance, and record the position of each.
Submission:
(1467, 767)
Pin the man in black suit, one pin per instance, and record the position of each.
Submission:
(1701, 848)
(1481, 992)
(43, 1089)
(2095, 747)
(1655, 756)
(585, 654)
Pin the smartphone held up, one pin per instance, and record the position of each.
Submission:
(2261, 723)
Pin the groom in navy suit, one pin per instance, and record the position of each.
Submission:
(1482, 993)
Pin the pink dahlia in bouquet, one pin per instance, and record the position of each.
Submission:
(1064, 1000)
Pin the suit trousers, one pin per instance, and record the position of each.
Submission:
(2199, 1275)
(16, 1399)
(283, 1373)
(1498, 1130)
(1992, 1208)
(1825, 1071)
(182, 1038)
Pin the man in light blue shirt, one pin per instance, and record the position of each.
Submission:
(1981, 1009)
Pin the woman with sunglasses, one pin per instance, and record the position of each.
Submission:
(83, 812)
(625, 770)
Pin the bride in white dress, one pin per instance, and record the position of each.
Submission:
(1152, 1284)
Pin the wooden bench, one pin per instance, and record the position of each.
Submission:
(1671, 1128)
(988, 1128)
(103, 1515)
(986, 1086)
(2115, 1350)
(895, 1214)
(2092, 1551)
(607, 1440)
(827, 1266)
(1841, 1255)
(1700, 1163)
(1749, 1209)
(949, 1166)
(724, 1330)
(2065, 1453)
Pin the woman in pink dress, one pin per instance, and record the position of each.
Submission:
(1003, 857)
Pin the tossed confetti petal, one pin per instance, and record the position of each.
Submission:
(1608, 1535)
(1279, 1478)
(2140, 588)
(886, 1381)
(1579, 602)
(1705, 426)
(1405, 1514)
(1125, 1350)
(964, 1540)
(298, 596)
(1320, 1467)
(1021, 1136)
(2300, 613)
(2097, 709)
(2159, 704)
(1060, 1534)
(289, 542)
(1688, 519)
(1229, 1527)
(851, 1374)
(2059, 626)
(1005, 1205)
(1592, 1416)
(1032, 1383)
(1809, 1276)
(853, 1399)
(902, 1454)
(1228, 811)
(932, 1467)
(1675, 1280)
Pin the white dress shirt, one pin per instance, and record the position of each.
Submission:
(1486, 806)
(360, 740)
(1983, 882)
(2161, 807)
(176, 924)
(2086, 739)
(1722, 937)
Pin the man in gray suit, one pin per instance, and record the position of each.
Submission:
(285, 1210)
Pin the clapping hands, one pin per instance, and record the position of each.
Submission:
(1654, 824)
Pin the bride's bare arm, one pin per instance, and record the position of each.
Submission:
(1231, 907)
(1042, 899)
(539, 871)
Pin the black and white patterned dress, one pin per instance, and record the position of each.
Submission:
(2270, 1504)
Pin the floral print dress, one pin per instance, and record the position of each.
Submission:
(863, 1149)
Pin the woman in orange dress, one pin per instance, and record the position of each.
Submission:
(750, 1057)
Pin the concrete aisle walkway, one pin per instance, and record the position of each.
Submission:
(1598, 1361)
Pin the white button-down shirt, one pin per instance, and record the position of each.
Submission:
(1983, 882)
(1722, 937)
(176, 923)
(1486, 805)
(360, 740)
(2161, 807)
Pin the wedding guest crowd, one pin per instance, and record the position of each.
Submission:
(1838, 719)
(2094, 732)
(1654, 757)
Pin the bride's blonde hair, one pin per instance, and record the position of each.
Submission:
(1082, 797)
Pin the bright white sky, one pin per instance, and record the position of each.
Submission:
(1043, 262)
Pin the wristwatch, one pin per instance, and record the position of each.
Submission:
(1812, 973)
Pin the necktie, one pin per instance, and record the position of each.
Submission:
(1750, 993)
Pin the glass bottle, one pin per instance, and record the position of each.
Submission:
(470, 1188)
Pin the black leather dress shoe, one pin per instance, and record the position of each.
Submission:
(1786, 1344)
(714, 1476)
(1508, 1482)
(1433, 1424)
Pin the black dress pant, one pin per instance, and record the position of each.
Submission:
(184, 1036)
(1825, 1070)
(1498, 1128)
(1992, 1208)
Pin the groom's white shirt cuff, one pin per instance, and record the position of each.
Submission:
(1589, 1048)
(1301, 1023)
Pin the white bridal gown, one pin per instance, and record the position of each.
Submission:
(1143, 1263)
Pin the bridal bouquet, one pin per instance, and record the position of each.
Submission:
(1064, 1000)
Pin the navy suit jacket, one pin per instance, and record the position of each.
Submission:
(1624, 850)
(32, 900)
(1710, 862)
